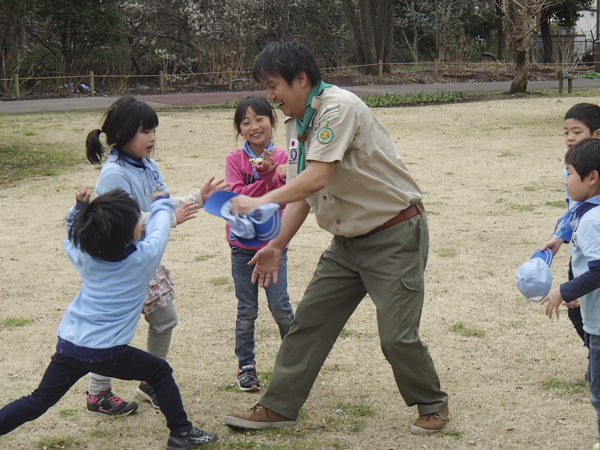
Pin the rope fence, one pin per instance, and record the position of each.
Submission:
(15, 84)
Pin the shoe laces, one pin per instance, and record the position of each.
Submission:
(435, 415)
(115, 400)
(247, 372)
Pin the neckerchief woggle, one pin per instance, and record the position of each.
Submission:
(253, 156)
(576, 210)
(139, 163)
(302, 127)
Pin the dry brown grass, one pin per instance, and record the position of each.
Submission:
(491, 172)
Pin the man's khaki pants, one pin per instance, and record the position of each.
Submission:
(387, 265)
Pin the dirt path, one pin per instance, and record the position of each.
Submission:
(213, 98)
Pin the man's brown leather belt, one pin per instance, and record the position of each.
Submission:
(409, 212)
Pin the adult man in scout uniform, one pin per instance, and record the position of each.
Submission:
(342, 163)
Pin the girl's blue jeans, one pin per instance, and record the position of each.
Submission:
(593, 373)
(247, 296)
(63, 372)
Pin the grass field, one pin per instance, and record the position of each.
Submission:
(491, 176)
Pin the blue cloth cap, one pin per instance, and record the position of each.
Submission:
(547, 256)
(534, 278)
(260, 225)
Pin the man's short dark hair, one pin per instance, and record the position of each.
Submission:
(287, 59)
(584, 157)
(105, 226)
(586, 113)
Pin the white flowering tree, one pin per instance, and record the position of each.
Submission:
(220, 31)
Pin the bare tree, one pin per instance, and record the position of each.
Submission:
(445, 11)
(524, 18)
(415, 23)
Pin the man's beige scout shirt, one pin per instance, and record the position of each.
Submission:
(370, 184)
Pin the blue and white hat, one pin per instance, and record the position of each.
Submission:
(534, 278)
(260, 225)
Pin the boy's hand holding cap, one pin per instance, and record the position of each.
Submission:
(534, 278)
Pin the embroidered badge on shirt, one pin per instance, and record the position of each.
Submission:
(293, 155)
(325, 134)
(293, 143)
(329, 110)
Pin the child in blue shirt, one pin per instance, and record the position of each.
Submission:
(130, 135)
(583, 186)
(103, 244)
(582, 121)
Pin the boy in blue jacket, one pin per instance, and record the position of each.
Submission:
(94, 333)
(583, 186)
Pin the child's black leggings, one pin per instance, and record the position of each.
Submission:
(63, 372)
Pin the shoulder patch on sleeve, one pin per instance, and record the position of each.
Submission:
(325, 134)
(329, 111)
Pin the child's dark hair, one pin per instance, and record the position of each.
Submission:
(105, 226)
(261, 107)
(122, 121)
(586, 113)
(287, 59)
(584, 157)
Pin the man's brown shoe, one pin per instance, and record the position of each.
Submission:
(258, 418)
(430, 423)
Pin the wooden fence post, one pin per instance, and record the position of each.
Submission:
(380, 70)
(230, 80)
(17, 87)
(435, 70)
(497, 70)
(557, 70)
(569, 84)
(560, 82)
(161, 82)
(92, 83)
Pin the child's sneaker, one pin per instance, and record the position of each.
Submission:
(146, 391)
(247, 380)
(194, 439)
(108, 403)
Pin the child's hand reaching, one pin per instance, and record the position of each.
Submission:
(186, 212)
(211, 186)
(83, 194)
(267, 163)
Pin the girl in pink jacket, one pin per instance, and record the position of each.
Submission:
(253, 170)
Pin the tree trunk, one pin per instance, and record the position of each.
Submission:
(384, 32)
(499, 33)
(519, 83)
(546, 38)
(415, 45)
(510, 34)
(443, 14)
(366, 22)
(357, 43)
